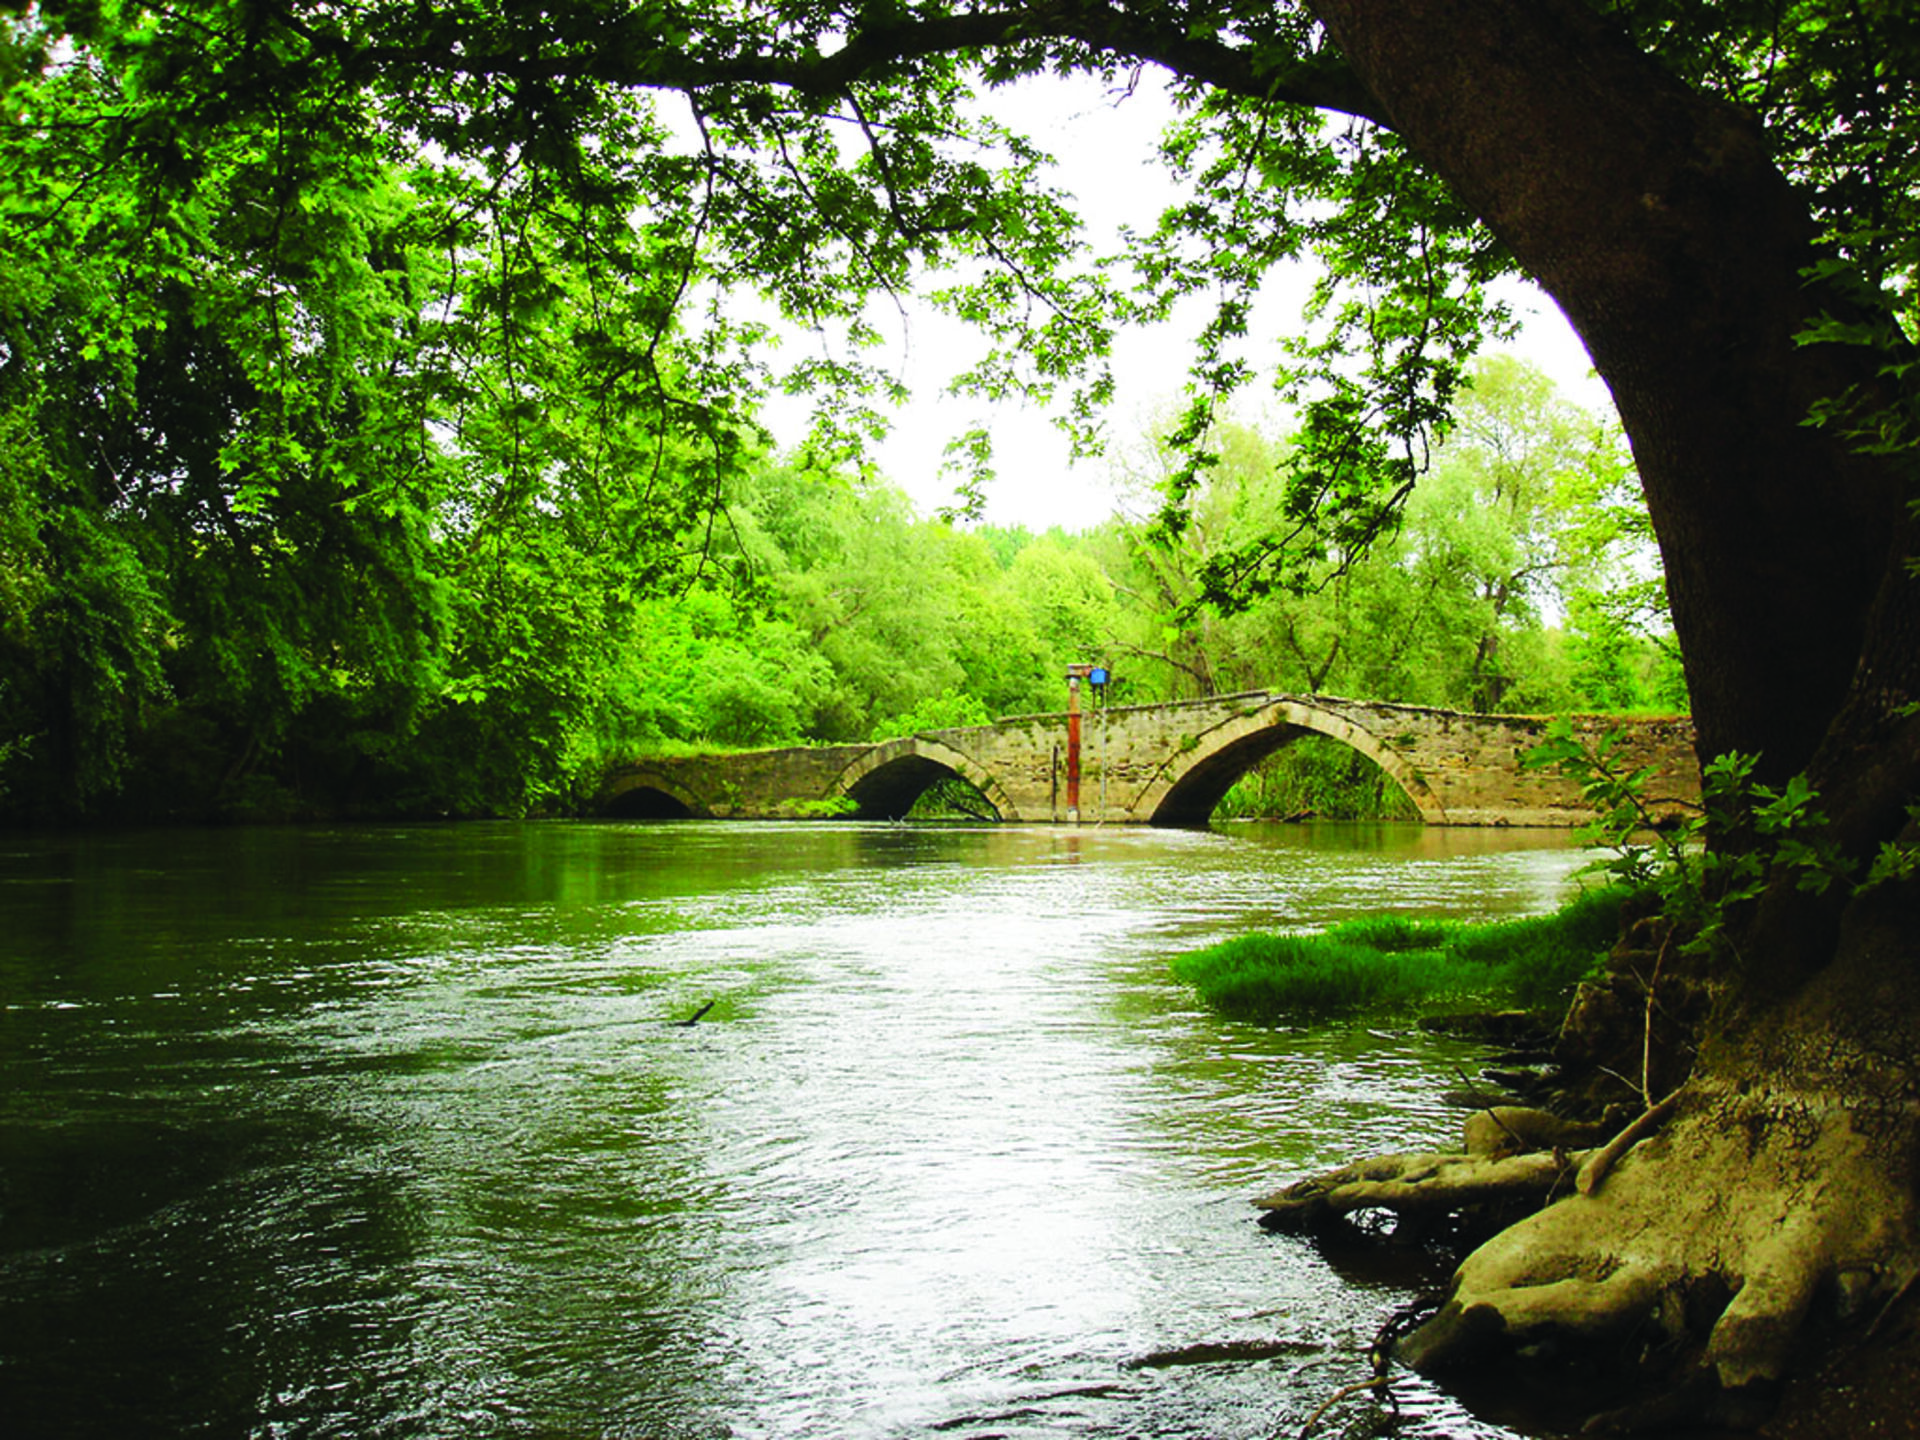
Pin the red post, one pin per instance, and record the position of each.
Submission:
(1073, 749)
(1075, 673)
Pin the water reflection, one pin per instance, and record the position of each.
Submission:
(389, 1130)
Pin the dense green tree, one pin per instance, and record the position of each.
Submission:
(1070, 600)
(1532, 509)
(1528, 516)
(337, 468)
(710, 667)
(1179, 646)
(901, 609)
(998, 646)
(944, 711)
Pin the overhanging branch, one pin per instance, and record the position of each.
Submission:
(629, 53)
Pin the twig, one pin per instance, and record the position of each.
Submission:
(1609, 1070)
(1380, 1354)
(1378, 1382)
(1594, 1168)
(1646, 1040)
(1488, 1108)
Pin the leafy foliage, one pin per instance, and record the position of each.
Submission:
(1396, 964)
(377, 389)
(1314, 777)
(945, 711)
(621, 169)
(1396, 325)
(1530, 515)
(1745, 836)
(336, 467)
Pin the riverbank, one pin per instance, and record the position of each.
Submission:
(1845, 1378)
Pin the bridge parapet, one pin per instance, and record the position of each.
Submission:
(1166, 764)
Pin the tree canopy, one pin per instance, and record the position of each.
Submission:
(824, 156)
(377, 374)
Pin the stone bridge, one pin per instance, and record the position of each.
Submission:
(1159, 765)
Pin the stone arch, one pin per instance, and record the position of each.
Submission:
(886, 780)
(648, 795)
(1185, 789)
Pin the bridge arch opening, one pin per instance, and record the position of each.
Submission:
(646, 800)
(1312, 777)
(890, 781)
(953, 798)
(1192, 786)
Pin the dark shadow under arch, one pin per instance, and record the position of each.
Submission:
(884, 784)
(650, 799)
(1191, 799)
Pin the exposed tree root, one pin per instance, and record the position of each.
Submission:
(1413, 1185)
(1714, 1239)
(1379, 1385)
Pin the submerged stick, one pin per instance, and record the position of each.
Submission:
(1218, 1351)
(694, 1019)
(1380, 1383)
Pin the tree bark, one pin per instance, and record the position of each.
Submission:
(1655, 217)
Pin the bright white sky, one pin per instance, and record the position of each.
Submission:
(1105, 145)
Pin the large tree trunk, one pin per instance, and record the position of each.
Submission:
(1657, 220)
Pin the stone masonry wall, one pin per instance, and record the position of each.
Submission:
(1463, 769)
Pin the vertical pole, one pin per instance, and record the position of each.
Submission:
(1073, 749)
(1103, 754)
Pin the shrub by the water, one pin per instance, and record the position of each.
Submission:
(1387, 964)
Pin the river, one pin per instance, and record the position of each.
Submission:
(389, 1131)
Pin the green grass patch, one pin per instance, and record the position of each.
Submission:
(1392, 964)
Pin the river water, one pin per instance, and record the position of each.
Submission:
(390, 1131)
